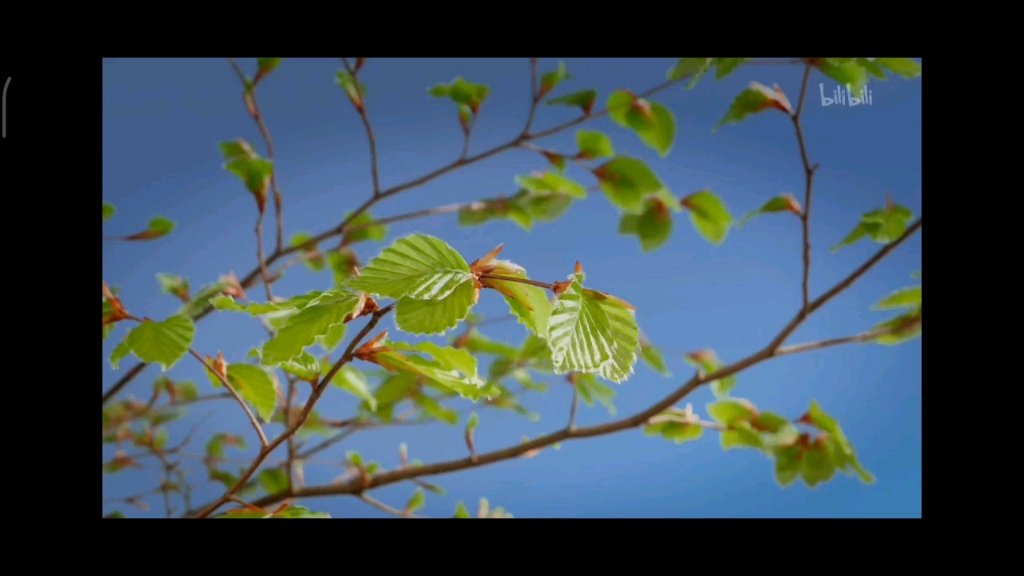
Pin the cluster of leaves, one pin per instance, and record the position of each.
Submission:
(796, 453)
(907, 325)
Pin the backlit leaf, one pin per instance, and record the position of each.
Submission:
(626, 181)
(418, 266)
(709, 216)
(161, 342)
(584, 99)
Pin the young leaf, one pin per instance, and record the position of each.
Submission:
(362, 230)
(434, 317)
(529, 304)
(158, 228)
(418, 266)
(903, 328)
(725, 66)
(676, 425)
(593, 144)
(304, 328)
(653, 226)
(354, 382)
(692, 67)
(844, 72)
(273, 480)
(882, 226)
(267, 65)
(255, 386)
(305, 366)
(176, 285)
(756, 98)
(460, 510)
(592, 332)
(904, 67)
(550, 182)
(709, 216)
(783, 203)
(108, 211)
(626, 181)
(550, 80)
(590, 389)
(842, 451)
(584, 99)
(903, 298)
(162, 342)
(462, 92)
(652, 122)
(452, 369)
(353, 88)
(651, 356)
(473, 421)
(419, 498)
(476, 343)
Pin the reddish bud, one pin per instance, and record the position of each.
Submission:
(792, 205)
(461, 341)
(889, 204)
(805, 419)
(559, 288)
(220, 366)
(250, 103)
(359, 63)
(578, 269)
(231, 286)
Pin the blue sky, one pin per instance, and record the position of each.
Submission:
(162, 120)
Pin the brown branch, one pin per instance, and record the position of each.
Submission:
(294, 427)
(261, 125)
(534, 97)
(639, 419)
(290, 462)
(809, 170)
(123, 381)
(369, 132)
(862, 337)
(519, 280)
(252, 417)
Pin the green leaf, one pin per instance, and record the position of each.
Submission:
(904, 67)
(546, 207)
(273, 480)
(529, 304)
(354, 382)
(255, 386)
(653, 226)
(343, 265)
(300, 512)
(843, 454)
(375, 233)
(729, 412)
(652, 122)
(904, 327)
(434, 317)
(651, 356)
(709, 216)
(418, 266)
(158, 228)
(450, 368)
(550, 80)
(592, 332)
(108, 211)
(757, 98)
(626, 181)
(267, 65)
(845, 73)
(871, 67)
(584, 99)
(171, 284)
(162, 342)
(678, 432)
(460, 510)
(473, 421)
(353, 88)
(419, 498)
(310, 324)
(725, 66)
(903, 298)
(590, 389)
(462, 92)
(476, 343)
(783, 203)
(215, 445)
(431, 407)
(787, 464)
(693, 67)
(882, 226)
(551, 182)
(593, 144)
(305, 366)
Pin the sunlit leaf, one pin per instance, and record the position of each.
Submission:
(418, 266)
(709, 216)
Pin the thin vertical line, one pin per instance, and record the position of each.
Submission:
(6, 84)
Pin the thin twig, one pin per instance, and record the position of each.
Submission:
(575, 405)
(534, 98)
(519, 280)
(805, 216)
(384, 507)
(261, 259)
(252, 417)
(369, 132)
(770, 351)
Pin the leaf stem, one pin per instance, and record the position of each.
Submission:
(519, 280)
(252, 417)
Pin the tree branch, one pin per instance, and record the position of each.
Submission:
(369, 132)
(252, 417)
(641, 418)
(385, 508)
(805, 216)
